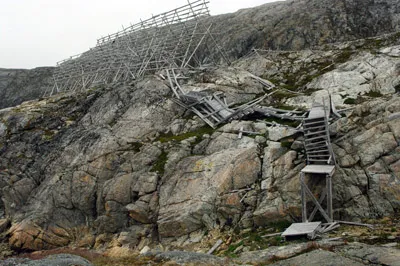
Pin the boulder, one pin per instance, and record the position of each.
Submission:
(191, 191)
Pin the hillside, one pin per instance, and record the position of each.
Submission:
(120, 167)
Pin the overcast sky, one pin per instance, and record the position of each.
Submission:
(42, 32)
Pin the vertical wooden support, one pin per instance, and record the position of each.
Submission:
(303, 198)
(329, 196)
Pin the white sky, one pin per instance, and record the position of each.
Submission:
(42, 32)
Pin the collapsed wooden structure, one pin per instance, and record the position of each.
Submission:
(213, 108)
(170, 39)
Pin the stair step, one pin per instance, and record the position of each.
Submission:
(316, 145)
(315, 138)
(313, 123)
(321, 118)
(319, 157)
(314, 128)
(315, 133)
(315, 160)
(319, 151)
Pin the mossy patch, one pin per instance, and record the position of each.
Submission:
(286, 144)
(159, 165)
(374, 94)
(350, 101)
(280, 95)
(344, 56)
(230, 252)
(280, 225)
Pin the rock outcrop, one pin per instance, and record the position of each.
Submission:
(19, 85)
(301, 24)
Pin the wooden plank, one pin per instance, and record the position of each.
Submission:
(357, 224)
(315, 138)
(316, 112)
(303, 198)
(216, 245)
(321, 199)
(329, 195)
(320, 151)
(313, 123)
(319, 169)
(315, 133)
(297, 229)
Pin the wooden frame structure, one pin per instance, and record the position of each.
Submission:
(214, 109)
(328, 171)
(320, 160)
(170, 39)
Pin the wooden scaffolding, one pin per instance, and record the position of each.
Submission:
(177, 38)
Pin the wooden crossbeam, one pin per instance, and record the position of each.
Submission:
(308, 192)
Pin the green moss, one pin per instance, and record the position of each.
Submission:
(230, 251)
(286, 144)
(374, 94)
(159, 165)
(198, 133)
(276, 241)
(350, 101)
(280, 225)
(280, 95)
(48, 134)
(344, 56)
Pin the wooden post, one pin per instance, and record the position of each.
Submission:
(329, 196)
(303, 198)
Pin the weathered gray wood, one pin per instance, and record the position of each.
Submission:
(163, 41)
(319, 169)
(303, 198)
(216, 245)
(329, 196)
(271, 235)
(357, 224)
(321, 199)
(330, 226)
(314, 200)
(297, 229)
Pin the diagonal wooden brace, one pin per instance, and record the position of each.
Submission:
(315, 201)
(321, 199)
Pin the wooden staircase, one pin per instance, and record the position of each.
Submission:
(317, 142)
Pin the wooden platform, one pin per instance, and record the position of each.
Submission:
(319, 169)
(299, 229)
